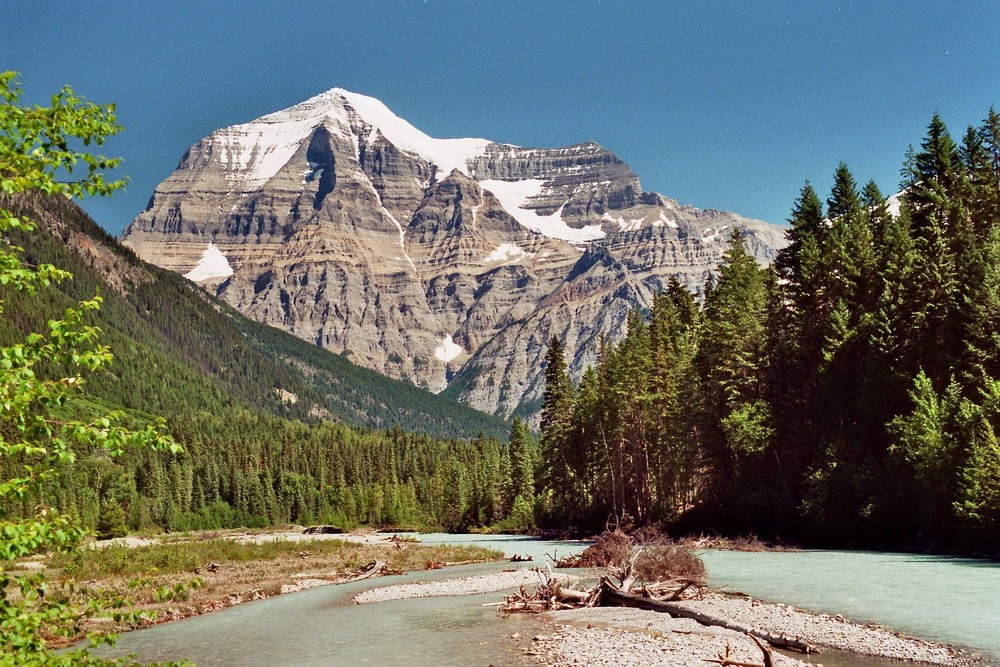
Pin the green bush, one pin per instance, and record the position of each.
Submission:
(111, 522)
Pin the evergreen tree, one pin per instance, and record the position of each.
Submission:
(111, 522)
(732, 363)
(556, 463)
(522, 475)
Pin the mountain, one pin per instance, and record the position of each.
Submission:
(445, 262)
(179, 352)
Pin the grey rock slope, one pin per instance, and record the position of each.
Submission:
(440, 261)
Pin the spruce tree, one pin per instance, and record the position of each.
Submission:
(555, 465)
(736, 419)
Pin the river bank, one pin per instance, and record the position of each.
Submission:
(616, 636)
(173, 577)
(620, 637)
(459, 620)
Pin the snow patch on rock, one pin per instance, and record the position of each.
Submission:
(893, 203)
(213, 264)
(448, 349)
(514, 195)
(506, 252)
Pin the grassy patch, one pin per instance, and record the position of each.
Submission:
(225, 571)
(191, 556)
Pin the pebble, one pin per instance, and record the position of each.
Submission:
(486, 583)
(630, 637)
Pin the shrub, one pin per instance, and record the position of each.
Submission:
(663, 562)
(111, 522)
(612, 549)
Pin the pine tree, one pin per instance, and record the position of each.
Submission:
(935, 178)
(521, 463)
(732, 364)
(805, 235)
(556, 470)
(111, 522)
(877, 212)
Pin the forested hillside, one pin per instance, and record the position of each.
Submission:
(175, 348)
(849, 394)
(273, 428)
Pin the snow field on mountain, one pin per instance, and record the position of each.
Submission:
(213, 264)
(446, 154)
(513, 196)
(448, 349)
(255, 152)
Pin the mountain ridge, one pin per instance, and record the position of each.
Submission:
(178, 349)
(343, 224)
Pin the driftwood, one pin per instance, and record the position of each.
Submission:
(323, 530)
(520, 558)
(724, 660)
(550, 596)
(370, 570)
(612, 596)
(671, 590)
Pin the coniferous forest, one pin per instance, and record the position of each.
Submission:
(849, 394)
(273, 429)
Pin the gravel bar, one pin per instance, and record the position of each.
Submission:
(623, 637)
(486, 583)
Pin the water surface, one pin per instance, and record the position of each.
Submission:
(950, 600)
(323, 626)
(945, 599)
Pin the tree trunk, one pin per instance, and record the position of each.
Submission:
(612, 596)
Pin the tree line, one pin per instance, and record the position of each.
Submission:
(249, 457)
(847, 394)
(240, 468)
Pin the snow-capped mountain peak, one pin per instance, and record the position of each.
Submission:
(255, 151)
(425, 258)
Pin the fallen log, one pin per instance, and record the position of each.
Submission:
(370, 570)
(612, 596)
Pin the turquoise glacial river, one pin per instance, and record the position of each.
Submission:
(950, 600)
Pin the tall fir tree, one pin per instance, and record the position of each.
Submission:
(555, 479)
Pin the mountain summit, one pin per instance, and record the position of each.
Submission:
(447, 262)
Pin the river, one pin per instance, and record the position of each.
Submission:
(951, 600)
(945, 599)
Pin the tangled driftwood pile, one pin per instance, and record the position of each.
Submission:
(667, 575)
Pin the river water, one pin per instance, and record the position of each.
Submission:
(950, 600)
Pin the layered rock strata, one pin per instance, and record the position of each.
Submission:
(432, 260)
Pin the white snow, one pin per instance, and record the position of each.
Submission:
(506, 252)
(893, 203)
(624, 225)
(213, 264)
(314, 171)
(446, 154)
(669, 222)
(513, 195)
(252, 153)
(448, 349)
(714, 236)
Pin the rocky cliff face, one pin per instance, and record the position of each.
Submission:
(441, 261)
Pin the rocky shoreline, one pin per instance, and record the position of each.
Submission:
(486, 583)
(622, 637)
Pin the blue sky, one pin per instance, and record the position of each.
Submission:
(728, 105)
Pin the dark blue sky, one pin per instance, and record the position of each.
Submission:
(727, 105)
